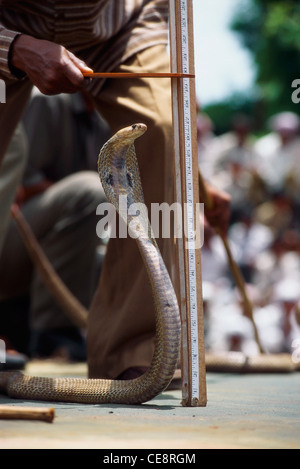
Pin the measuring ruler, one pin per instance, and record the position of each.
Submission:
(190, 202)
(184, 116)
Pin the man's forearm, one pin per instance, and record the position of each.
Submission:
(50, 67)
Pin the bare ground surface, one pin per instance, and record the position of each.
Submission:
(243, 412)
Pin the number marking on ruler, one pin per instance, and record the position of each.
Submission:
(190, 203)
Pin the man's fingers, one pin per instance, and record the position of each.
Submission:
(70, 72)
(83, 67)
(50, 67)
(69, 75)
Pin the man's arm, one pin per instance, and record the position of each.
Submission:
(7, 38)
(50, 67)
(219, 215)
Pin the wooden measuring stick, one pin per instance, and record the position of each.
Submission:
(189, 287)
(45, 414)
(233, 265)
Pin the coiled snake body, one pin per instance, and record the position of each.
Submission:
(119, 174)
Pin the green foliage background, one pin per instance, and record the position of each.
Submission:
(270, 30)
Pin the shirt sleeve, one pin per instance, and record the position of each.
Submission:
(7, 38)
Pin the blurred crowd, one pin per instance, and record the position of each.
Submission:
(262, 176)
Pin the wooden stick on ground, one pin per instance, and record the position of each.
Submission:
(45, 414)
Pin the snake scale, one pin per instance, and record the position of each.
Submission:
(119, 174)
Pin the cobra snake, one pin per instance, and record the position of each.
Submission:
(119, 174)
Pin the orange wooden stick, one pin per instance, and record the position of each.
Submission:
(137, 75)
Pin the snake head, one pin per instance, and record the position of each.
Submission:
(129, 134)
(118, 166)
(119, 143)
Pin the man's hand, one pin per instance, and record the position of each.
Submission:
(219, 215)
(50, 67)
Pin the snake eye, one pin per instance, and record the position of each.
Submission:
(134, 126)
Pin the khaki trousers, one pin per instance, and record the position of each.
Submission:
(11, 170)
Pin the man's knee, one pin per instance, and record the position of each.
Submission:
(81, 191)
